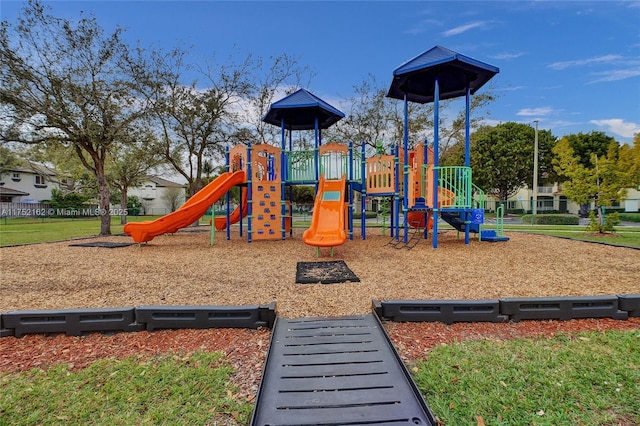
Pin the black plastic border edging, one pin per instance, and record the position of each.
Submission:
(77, 322)
(618, 307)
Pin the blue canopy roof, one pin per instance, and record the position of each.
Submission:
(416, 77)
(300, 110)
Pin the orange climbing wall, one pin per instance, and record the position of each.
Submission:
(266, 193)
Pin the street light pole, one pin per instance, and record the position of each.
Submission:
(535, 174)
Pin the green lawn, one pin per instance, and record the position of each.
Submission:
(584, 379)
(33, 230)
(191, 389)
(587, 379)
(624, 235)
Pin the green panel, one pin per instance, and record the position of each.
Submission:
(331, 196)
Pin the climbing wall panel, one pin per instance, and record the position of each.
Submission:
(267, 216)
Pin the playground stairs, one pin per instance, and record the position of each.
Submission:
(454, 219)
(336, 371)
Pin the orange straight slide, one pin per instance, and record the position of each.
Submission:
(188, 213)
(327, 221)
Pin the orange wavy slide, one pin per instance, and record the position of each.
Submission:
(417, 219)
(188, 213)
(234, 217)
(327, 221)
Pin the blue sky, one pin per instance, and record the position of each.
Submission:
(572, 65)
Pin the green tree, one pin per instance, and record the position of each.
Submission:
(62, 83)
(584, 145)
(602, 180)
(629, 158)
(72, 200)
(502, 157)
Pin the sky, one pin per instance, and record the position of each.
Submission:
(573, 66)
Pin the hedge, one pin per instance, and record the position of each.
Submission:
(368, 215)
(552, 219)
(629, 217)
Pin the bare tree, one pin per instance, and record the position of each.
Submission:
(194, 119)
(131, 163)
(62, 83)
(373, 118)
(283, 76)
(173, 196)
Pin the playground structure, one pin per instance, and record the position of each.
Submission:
(419, 190)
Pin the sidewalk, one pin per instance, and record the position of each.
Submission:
(517, 220)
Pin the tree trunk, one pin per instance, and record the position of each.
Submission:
(123, 205)
(105, 195)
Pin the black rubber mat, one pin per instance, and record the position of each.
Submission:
(336, 371)
(103, 244)
(324, 272)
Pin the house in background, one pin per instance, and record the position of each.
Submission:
(550, 198)
(33, 183)
(28, 183)
(159, 196)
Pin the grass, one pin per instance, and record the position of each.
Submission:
(583, 379)
(188, 389)
(624, 236)
(586, 379)
(34, 230)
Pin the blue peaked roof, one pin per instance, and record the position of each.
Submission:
(300, 110)
(416, 77)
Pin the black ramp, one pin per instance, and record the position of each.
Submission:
(336, 371)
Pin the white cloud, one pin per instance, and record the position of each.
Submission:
(615, 75)
(464, 28)
(423, 26)
(619, 126)
(507, 55)
(582, 62)
(532, 112)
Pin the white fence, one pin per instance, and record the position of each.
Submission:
(15, 210)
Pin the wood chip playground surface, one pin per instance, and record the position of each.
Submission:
(183, 269)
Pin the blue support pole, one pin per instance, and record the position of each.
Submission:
(436, 142)
(227, 198)
(405, 172)
(286, 168)
(240, 207)
(249, 193)
(283, 208)
(467, 155)
(396, 195)
(317, 152)
(350, 189)
(425, 161)
(363, 201)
